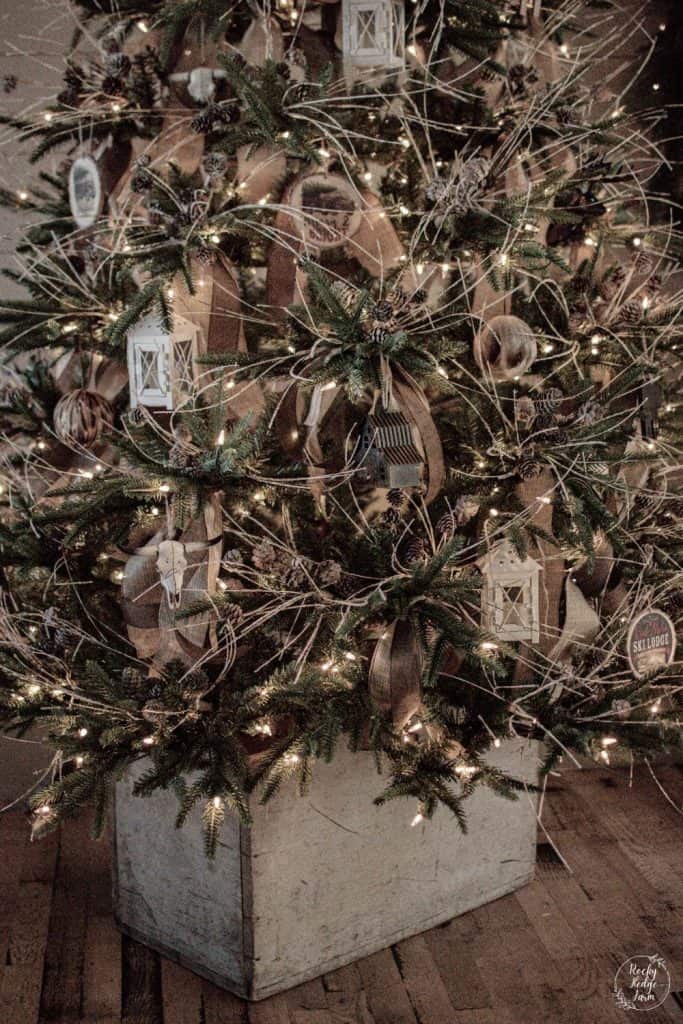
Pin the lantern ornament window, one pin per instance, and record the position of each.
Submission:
(373, 34)
(510, 599)
(161, 364)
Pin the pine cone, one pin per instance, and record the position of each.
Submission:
(283, 69)
(378, 335)
(117, 65)
(642, 261)
(233, 614)
(132, 677)
(395, 497)
(328, 573)
(112, 85)
(621, 708)
(589, 413)
(202, 123)
(141, 182)
(466, 508)
(299, 93)
(447, 524)
(548, 401)
(391, 517)
(382, 311)
(525, 411)
(205, 255)
(631, 312)
(154, 711)
(415, 550)
(529, 465)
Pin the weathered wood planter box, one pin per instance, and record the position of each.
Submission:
(316, 882)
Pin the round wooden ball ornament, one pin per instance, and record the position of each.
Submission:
(81, 416)
(505, 347)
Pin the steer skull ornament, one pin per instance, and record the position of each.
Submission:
(171, 556)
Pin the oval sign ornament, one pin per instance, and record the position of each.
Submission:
(651, 643)
(85, 191)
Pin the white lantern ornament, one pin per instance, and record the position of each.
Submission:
(510, 599)
(373, 34)
(161, 364)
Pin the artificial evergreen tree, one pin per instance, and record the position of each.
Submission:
(345, 409)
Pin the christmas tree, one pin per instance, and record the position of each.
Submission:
(341, 407)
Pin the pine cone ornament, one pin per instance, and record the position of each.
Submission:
(447, 524)
(395, 497)
(296, 576)
(548, 402)
(328, 573)
(382, 311)
(589, 413)
(154, 711)
(215, 166)
(268, 558)
(132, 678)
(465, 508)
(117, 65)
(233, 557)
(378, 335)
(156, 690)
(202, 123)
(391, 519)
(415, 550)
(621, 708)
(525, 411)
(346, 294)
(205, 255)
(642, 261)
(631, 312)
(233, 614)
(529, 465)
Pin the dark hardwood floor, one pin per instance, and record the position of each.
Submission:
(544, 955)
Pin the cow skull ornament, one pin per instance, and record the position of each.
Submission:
(171, 556)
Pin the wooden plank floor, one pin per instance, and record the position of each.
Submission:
(547, 953)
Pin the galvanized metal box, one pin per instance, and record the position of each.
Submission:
(318, 881)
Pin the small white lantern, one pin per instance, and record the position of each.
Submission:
(510, 597)
(373, 33)
(161, 366)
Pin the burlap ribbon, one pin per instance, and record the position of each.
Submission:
(552, 575)
(216, 308)
(581, 624)
(395, 672)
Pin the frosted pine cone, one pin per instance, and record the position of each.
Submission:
(268, 558)
(328, 573)
(395, 497)
(462, 191)
(589, 413)
(466, 508)
(525, 411)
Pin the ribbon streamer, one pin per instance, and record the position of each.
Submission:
(395, 672)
